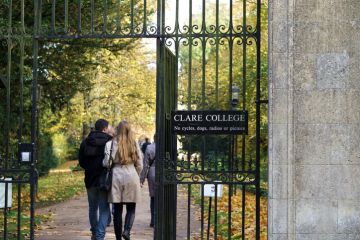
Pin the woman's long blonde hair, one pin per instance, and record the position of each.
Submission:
(127, 146)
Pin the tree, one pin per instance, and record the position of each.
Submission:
(216, 64)
(66, 67)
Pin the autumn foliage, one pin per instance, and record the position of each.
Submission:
(237, 221)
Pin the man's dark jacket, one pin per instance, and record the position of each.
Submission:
(91, 155)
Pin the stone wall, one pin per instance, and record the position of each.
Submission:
(314, 119)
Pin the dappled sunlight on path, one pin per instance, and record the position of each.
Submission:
(70, 220)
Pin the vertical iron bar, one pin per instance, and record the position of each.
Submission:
(145, 20)
(217, 80)
(163, 18)
(203, 82)
(35, 73)
(190, 78)
(217, 56)
(21, 110)
(229, 211)
(258, 96)
(23, 17)
(203, 153)
(209, 220)
(6, 209)
(231, 18)
(159, 178)
(177, 27)
(176, 82)
(203, 20)
(189, 152)
(92, 13)
(66, 16)
(40, 17)
(53, 11)
(243, 149)
(174, 98)
(215, 211)
(105, 16)
(189, 212)
(165, 231)
(244, 55)
(203, 59)
(243, 202)
(236, 157)
(8, 102)
(190, 56)
(217, 17)
(10, 18)
(230, 193)
(176, 102)
(216, 159)
(244, 80)
(231, 42)
(177, 43)
(32, 200)
(118, 30)
(21, 122)
(8, 86)
(34, 100)
(158, 17)
(202, 212)
(132, 17)
(19, 212)
(230, 137)
(79, 17)
(222, 160)
(159, 198)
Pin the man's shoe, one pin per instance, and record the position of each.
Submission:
(126, 235)
(93, 237)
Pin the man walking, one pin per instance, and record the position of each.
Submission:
(91, 155)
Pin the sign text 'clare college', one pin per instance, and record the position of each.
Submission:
(209, 122)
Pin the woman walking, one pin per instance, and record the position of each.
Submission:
(149, 173)
(126, 158)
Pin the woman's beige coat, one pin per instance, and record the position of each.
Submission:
(125, 180)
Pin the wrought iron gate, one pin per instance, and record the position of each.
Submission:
(194, 38)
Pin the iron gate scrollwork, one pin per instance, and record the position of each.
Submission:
(204, 49)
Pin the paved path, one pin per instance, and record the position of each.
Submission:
(70, 220)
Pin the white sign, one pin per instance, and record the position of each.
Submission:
(25, 156)
(2, 194)
(209, 190)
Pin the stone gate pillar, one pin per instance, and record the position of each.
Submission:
(314, 119)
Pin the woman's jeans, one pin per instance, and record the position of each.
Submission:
(98, 201)
(129, 218)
